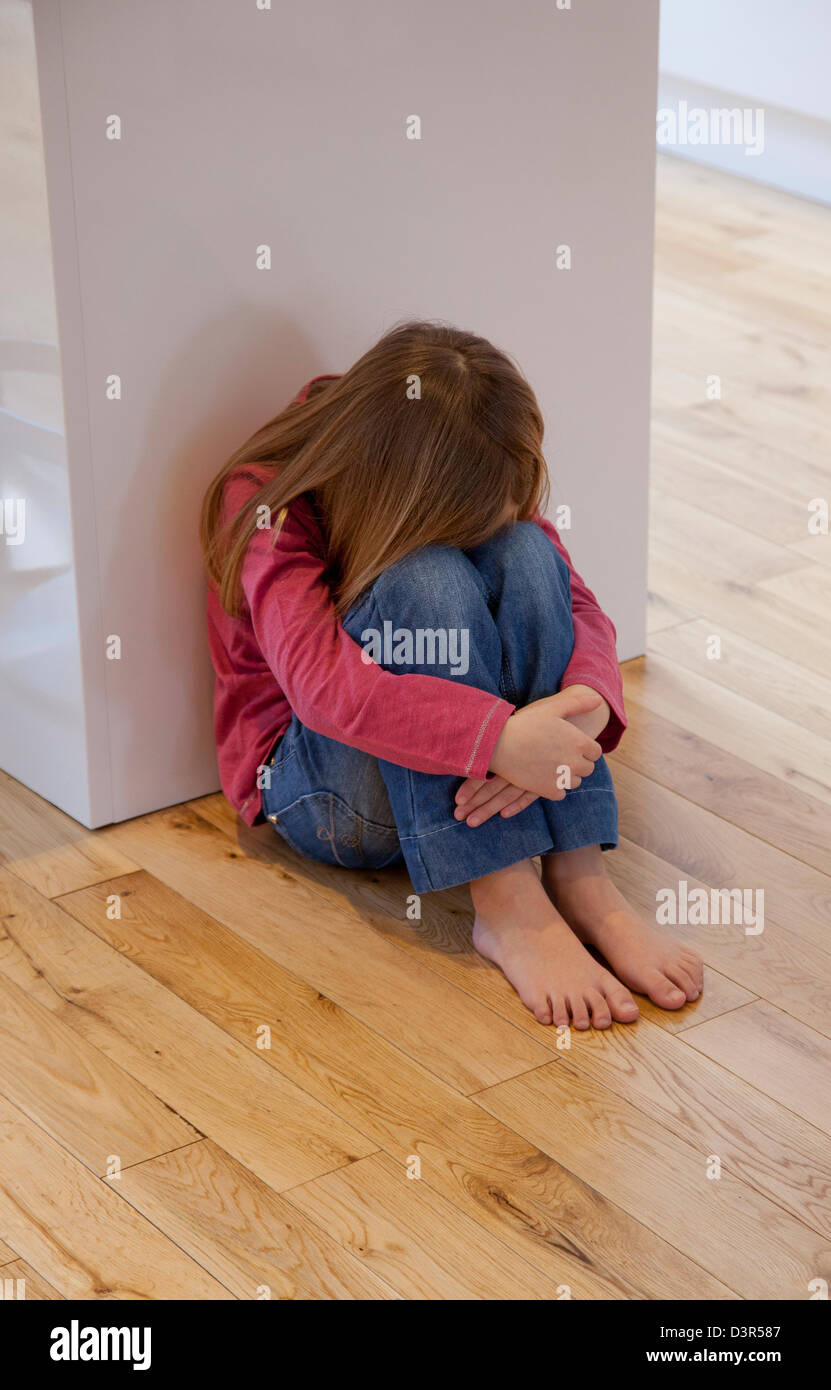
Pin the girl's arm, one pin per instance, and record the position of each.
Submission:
(426, 723)
(593, 661)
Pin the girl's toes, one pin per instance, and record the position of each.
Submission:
(601, 1016)
(694, 967)
(683, 980)
(663, 991)
(559, 1011)
(622, 1005)
(579, 1013)
(541, 1009)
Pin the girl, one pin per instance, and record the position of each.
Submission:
(408, 666)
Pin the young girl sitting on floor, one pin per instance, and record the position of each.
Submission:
(409, 667)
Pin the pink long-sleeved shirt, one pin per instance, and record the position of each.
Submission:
(287, 652)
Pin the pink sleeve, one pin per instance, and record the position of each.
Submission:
(422, 722)
(594, 658)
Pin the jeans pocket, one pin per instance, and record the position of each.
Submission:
(321, 826)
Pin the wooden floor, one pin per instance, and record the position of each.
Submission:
(223, 1091)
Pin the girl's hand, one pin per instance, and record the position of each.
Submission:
(477, 801)
(594, 722)
(540, 746)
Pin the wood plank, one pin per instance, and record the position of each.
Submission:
(714, 546)
(741, 210)
(35, 1287)
(777, 965)
(770, 1148)
(784, 374)
(807, 589)
(6, 1253)
(407, 1234)
(714, 489)
(755, 1247)
(718, 781)
(779, 1056)
(786, 428)
(802, 243)
(816, 548)
(704, 846)
(75, 1093)
(537, 1210)
(687, 326)
(48, 849)
(661, 613)
(762, 616)
(796, 294)
(216, 1083)
(754, 460)
(738, 725)
(768, 680)
(253, 1241)
(691, 253)
(77, 1232)
(321, 938)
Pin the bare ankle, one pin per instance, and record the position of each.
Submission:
(504, 884)
(570, 864)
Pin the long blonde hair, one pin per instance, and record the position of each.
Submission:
(427, 440)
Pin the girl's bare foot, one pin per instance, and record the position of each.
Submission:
(518, 928)
(577, 883)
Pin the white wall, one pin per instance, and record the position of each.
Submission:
(244, 126)
(760, 53)
(43, 736)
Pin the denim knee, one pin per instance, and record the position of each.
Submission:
(435, 585)
(522, 550)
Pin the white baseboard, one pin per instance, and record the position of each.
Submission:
(796, 152)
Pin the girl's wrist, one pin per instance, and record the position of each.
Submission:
(594, 721)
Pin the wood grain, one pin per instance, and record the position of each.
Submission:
(715, 779)
(94, 1108)
(779, 1056)
(320, 937)
(49, 850)
(423, 1245)
(235, 1226)
(77, 1232)
(35, 1288)
(638, 1162)
(217, 1084)
(533, 1206)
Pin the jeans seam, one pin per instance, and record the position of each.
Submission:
(452, 824)
(508, 684)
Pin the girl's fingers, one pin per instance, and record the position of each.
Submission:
(493, 805)
(519, 805)
(483, 794)
(466, 790)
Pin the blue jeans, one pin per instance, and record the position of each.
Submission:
(334, 803)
